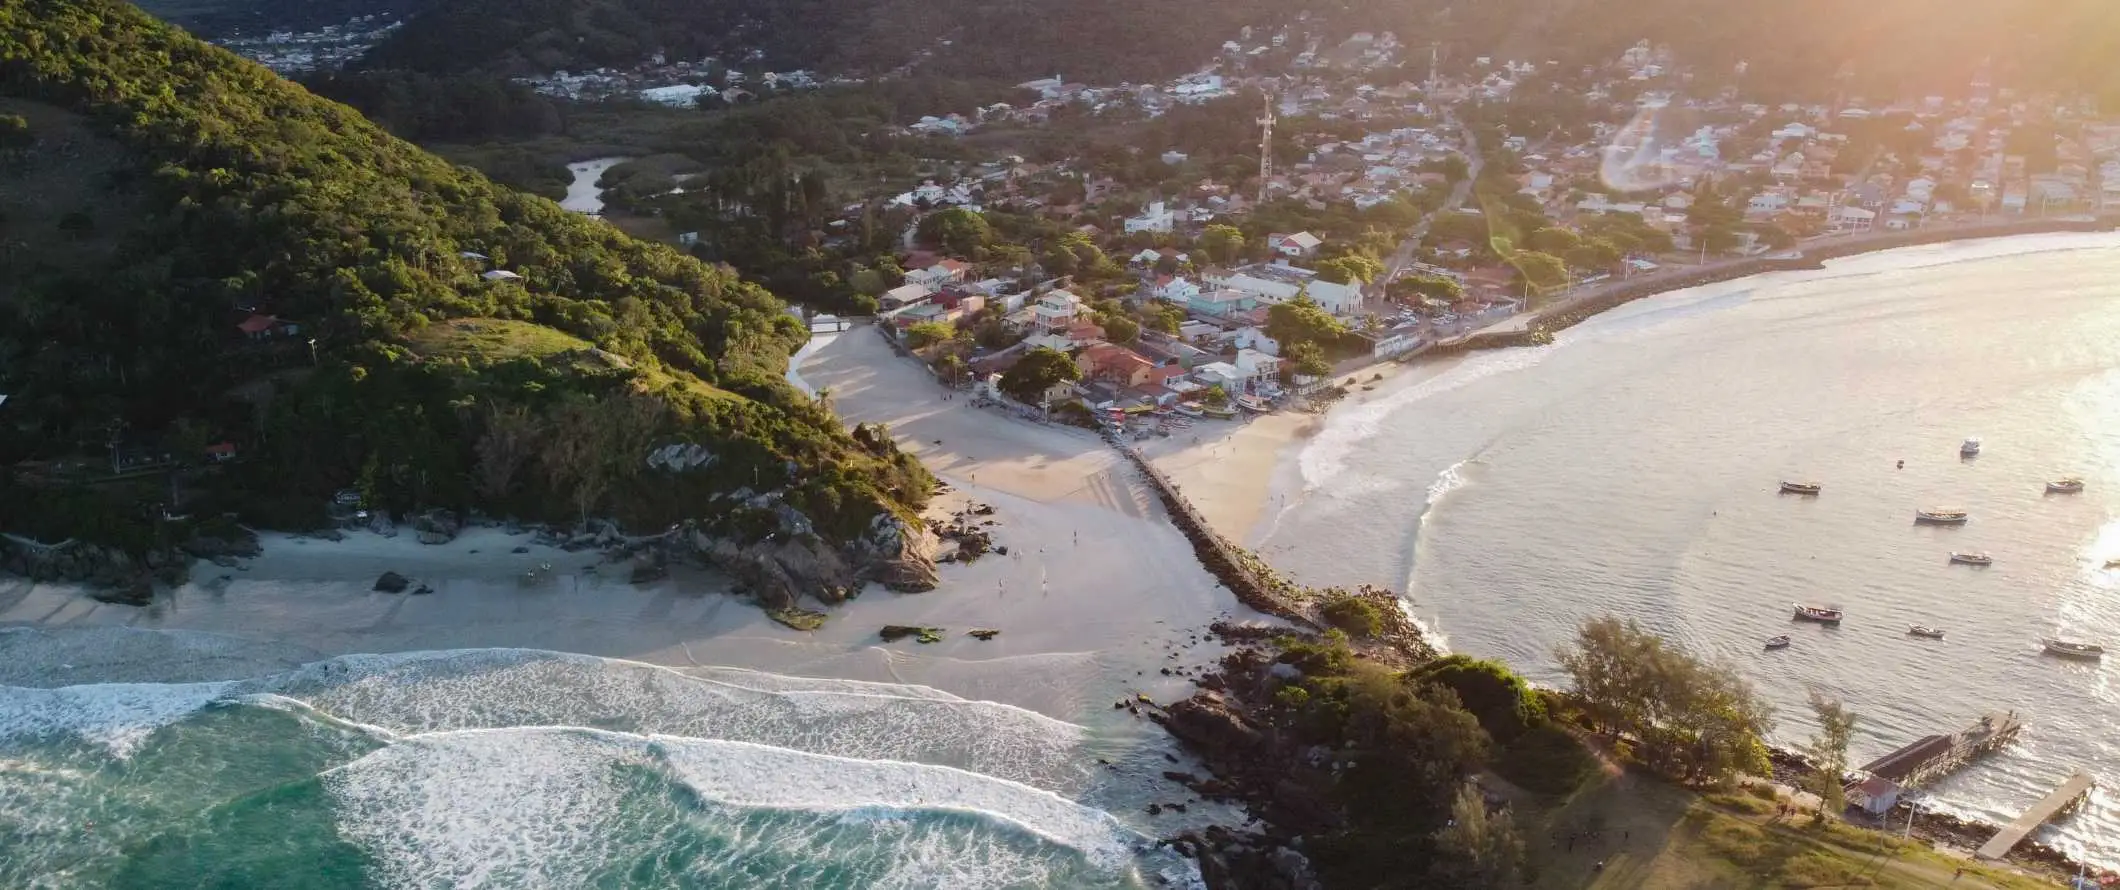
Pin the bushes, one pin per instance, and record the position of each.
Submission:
(1357, 616)
(1505, 704)
(1545, 759)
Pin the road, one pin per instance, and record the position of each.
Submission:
(1458, 193)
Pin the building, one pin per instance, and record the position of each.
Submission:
(1853, 219)
(905, 295)
(1056, 311)
(1875, 795)
(1296, 246)
(1157, 218)
(270, 327)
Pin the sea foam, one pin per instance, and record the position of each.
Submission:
(118, 716)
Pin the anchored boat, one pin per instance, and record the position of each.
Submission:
(2070, 485)
(2072, 649)
(1970, 447)
(1925, 631)
(1973, 559)
(1820, 614)
(1800, 487)
(1942, 516)
(1780, 642)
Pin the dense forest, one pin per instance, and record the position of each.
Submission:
(194, 251)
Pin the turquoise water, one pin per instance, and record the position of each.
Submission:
(515, 768)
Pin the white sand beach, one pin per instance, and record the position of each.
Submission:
(1097, 585)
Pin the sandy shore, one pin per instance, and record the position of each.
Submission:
(1097, 592)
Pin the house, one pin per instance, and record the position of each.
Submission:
(221, 452)
(1056, 311)
(1853, 219)
(1116, 364)
(1249, 337)
(1222, 374)
(1256, 365)
(1174, 289)
(501, 275)
(1156, 218)
(1875, 795)
(905, 295)
(267, 327)
(1221, 302)
(942, 272)
(1296, 246)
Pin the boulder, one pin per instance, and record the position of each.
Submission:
(898, 554)
(437, 526)
(392, 582)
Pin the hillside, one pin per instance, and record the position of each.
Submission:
(1888, 48)
(194, 251)
(1009, 40)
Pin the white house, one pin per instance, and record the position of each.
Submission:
(1175, 289)
(1255, 339)
(1296, 246)
(1156, 218)
(1256, 365)
(1853, 219)
(1222, 374)
(1875, 795)
(905, 295)
(1056, 310)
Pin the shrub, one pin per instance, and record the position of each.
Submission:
(1545, 759)
(1357, 616)
(1505, 704)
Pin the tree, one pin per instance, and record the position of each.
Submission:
(1828, 750)
(1307, 359)
(1349, 269)
(507, 442)
(867, 281)
(1222, 244)
(1693, 718)
(1302, 320)
(1160, 316)
(1415, 286)
(1553, 240)
(1542, 271)
(1120, 329)
(1718, 239)
(1478, 850)
(956, 230)
(949, 367)
(1215, 396)
(1038, 371)
(929, 333)
(1506, 706)
(1775, 236)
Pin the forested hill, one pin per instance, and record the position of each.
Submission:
(194, 251)
(1888, 48)
(1010, 40)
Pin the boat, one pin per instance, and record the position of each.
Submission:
(1780, 642)
(2070, 649)
(1970, 447)
(1819, 614)
(1973, 559)
(1221, 411)
(1941, 516)
(1800, 487)
(1925, 631)
(1188, 409)
(2070, 485)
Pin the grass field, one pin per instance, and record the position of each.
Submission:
(1649, 835)
(485, 341)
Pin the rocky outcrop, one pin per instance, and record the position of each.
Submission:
(437, 526)
(115, 575)
(898, 554)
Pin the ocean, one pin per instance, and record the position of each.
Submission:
(522, 768)
(1631, 468)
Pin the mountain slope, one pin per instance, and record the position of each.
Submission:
(234, 258)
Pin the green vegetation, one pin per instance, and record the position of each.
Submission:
(1828, 749)
(1695, 719)
(209, 191)
(1357, 616)
(1039, 370)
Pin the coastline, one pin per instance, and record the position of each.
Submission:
(1240, 477)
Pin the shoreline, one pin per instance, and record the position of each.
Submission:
(1241, 482)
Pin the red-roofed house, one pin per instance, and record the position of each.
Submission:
(266, 327)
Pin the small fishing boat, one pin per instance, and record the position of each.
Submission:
(1188, 409)
(1942, 516)
(2071, 649)
(2070, 485)
(1925, 631)
(1970, 447)
(1780, 642)
(2112, 563)
(1972, 559)
(1224, 412)
(1800, 487)
(1820, 614)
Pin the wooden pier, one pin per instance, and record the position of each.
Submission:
(2063, 798)
(1932, 757)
